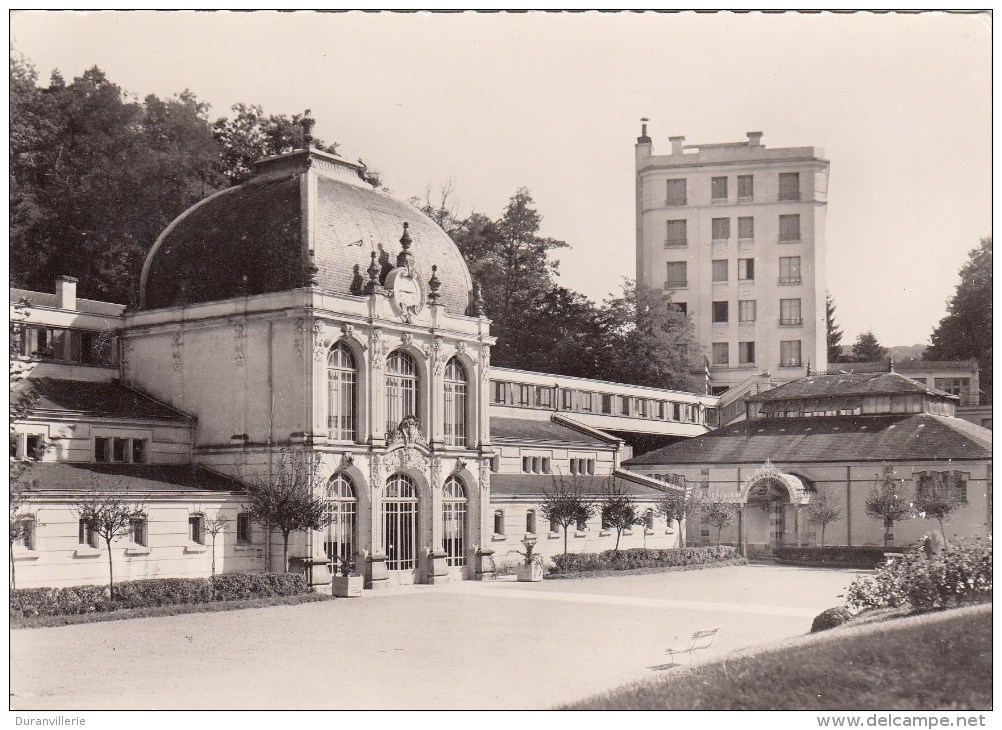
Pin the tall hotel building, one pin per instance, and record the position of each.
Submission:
(735, 233)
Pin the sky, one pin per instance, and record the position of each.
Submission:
(900, 104)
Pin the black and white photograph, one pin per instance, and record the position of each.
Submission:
(498, 361)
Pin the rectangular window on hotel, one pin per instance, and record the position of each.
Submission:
(720, 229)
(789, 312)
(746, 269)
(677, 274)
(746, 187)
(789, 186)
(606, 404)
(789, 228)
(746, 353)
(789, 353)
(720, 270)
(676, 192)
(720, 353)
(746, 227)
(789, 269)
(746, 310)
(719, 312)
(676, 233)
(718, 188)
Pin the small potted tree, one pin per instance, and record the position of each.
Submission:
(531, 569)
(345, 580)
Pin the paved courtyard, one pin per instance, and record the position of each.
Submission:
(464, 645)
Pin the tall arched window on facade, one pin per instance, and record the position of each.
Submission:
(342, 383)
(400, 508)
(455, 403)
(401, 388)
(454, 522)
(339, 540)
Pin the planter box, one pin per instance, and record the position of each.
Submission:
(346, 587)
(529, 573)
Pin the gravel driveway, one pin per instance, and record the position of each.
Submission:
(458, 646)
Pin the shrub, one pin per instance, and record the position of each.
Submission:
(641, 558)
(830, 618)
(841, 556)
(958, 575)
(29, 602)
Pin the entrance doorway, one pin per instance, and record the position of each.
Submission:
(400, 529)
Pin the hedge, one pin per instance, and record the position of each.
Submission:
(641, 558)
(959, 575)
(837, 556)
(830, 618)
(28, 602)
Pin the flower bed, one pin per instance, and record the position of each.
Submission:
(959, 575)
(635, 558)
(837, 556)
(28, 602)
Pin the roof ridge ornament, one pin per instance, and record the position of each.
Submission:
(405, 259)
(372, 286)
(479, 305)
(434, 284)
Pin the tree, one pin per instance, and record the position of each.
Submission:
(834, 331)
(966, 331)
(937, 498)
(647, 340)
(823, 510)
(109, 515)
(618, 510)
(720, 515)
(867, 349)
(679, 505)
(287, 501)
(566, 503)
(887, 504)
(216, 526)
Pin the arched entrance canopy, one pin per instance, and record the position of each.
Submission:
(768, 484)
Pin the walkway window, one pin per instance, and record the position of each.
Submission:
(400, 511)
(455, 403)
(401, 389)
(24, 533)
(530, 521)
(339, 539)
(454, 522)
(139, 533)
(498, 522)
(87, 534)
(342, 384)
(244, 528)
(196, 529)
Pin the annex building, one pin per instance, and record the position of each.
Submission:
(304, 320)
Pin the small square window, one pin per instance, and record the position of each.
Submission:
(746, 187)
(746, 311)
(676, 192)
(746, 228)
(719, 270)
(789, 312)
(718, 188)
(789, 353)
(746, 353)
(720, 229)
(677, 234)
(746, 269)
(789, 228)
(789, 269)
(789, 186)
(677, 275)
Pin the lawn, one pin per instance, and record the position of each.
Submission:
(938, 661)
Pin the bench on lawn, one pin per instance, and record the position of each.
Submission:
(700, 640)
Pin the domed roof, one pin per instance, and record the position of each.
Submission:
(306, 218)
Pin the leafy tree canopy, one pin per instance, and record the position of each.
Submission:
(966, 330)
(867, 349)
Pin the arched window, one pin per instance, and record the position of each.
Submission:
(342, 382)
(454, 522)
(339, 540)
(401, 388)
(400, 523)
(455, 403)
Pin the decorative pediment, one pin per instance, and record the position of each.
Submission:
(769, 484)
(407, 433)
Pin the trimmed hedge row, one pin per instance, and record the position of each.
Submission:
(837, 556)
(28, 602)
(641, 558)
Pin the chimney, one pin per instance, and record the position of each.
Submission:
(66, 292)
(754, 139)
(676, 144)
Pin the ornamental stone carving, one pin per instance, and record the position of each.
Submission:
(378, 348)
(485, 363)
(485, 475)
(376, 471)
(407, 457)
(297, 343)
(239, 343)
(177, 357)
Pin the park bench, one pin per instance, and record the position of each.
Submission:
(700, 640)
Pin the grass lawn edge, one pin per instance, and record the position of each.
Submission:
(41, 622)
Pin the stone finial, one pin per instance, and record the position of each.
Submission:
(405, 259)
(434, 284)
(479, 305)
(373, 284)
